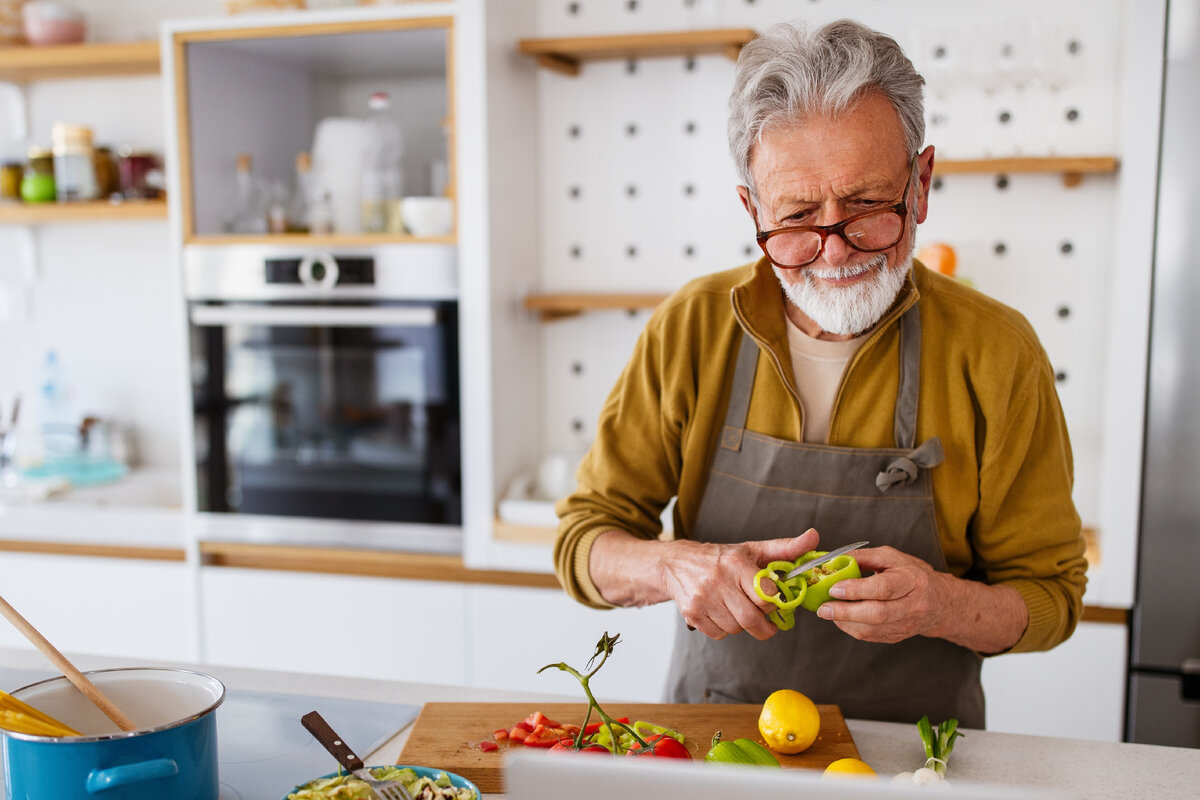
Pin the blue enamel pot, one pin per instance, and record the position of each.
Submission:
(172, 754)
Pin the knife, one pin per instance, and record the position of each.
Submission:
(830, 556)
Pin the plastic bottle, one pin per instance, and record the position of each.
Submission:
(382, 182)
(59, 425)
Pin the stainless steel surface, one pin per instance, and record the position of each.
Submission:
(417, 271)
(304, 316)
(830, 556)
(1163, 705)
(315, 724)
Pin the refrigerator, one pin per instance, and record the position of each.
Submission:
(1163, 698)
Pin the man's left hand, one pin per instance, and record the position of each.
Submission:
(907, 597)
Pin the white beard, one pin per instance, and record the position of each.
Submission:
(848, 310)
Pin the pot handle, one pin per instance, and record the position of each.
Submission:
(101, 779)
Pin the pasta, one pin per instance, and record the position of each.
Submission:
(21, 718)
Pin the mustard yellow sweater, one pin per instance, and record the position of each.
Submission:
(1003, 495)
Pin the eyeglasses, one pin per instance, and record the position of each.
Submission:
(870, 232)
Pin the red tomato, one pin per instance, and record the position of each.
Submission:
(500, 734)
(545, 736)
(487, 746)
(538, 718)
(595, 726)
(518, 734)
(661, 746)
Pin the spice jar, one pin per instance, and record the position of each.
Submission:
(74, 170)
(108, 182)
(37, 184)
(140, 173)
(11, 173)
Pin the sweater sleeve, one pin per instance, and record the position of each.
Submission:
(630, 473)
(1027, 532)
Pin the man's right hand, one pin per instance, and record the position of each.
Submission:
(712, 584)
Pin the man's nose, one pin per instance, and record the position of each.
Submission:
(836, 252)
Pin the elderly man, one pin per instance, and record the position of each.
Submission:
(835, 386)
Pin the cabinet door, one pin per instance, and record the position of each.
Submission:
(102, 606)
(514, 632)
(1076, 690)
(334, 624)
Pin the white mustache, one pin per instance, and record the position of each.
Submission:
(854, 270)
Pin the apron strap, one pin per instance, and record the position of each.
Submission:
(910, 378)
(739, 398)
(903, 470)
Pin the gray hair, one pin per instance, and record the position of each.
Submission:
(790, 73)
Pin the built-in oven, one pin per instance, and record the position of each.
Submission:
(325, 385)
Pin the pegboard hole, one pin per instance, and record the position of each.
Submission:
(575, 192)
(631, 66)
(1004, 117)
(689, 189)
(689, 127)
(1072, 115)
(1002, 182)
(631, 190)
(576, 251)
(940, 51)
(1074, 47)
(577, 425)
(1066, 248)
(575, 131)
(748, 250)
(689, 63)
(999, 248)
(631, 5)
(631, 129)
(631, 251)
(574, 8)
(576, 367)
(689, 250)
(937, 184)
(1063, 312)
(1060, 376)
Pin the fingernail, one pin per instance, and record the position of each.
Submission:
(837, 591)
(825, 613)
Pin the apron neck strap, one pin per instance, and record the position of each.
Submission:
(905, 423)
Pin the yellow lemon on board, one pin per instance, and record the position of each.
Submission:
(850, 766)
(789, 721)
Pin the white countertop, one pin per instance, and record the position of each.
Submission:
(1084, 769)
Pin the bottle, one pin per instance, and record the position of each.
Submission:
(59, 426)
(300, 201)
(381, 184)
(248, 214)
(74, 167)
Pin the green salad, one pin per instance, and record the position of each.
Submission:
(345, 786)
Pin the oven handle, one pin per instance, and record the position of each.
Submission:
(306, 316)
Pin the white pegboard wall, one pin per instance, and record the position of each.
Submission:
(637, 188)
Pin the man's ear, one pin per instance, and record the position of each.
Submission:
(748, 204)
(924, 179)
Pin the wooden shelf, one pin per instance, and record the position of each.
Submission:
(21, 64)
(566, 54)
(93, 211)
(556, 306)
(320, 240)
(1073, 168)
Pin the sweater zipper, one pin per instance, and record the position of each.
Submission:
(791, 389)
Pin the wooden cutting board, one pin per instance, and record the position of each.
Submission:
(447, 735)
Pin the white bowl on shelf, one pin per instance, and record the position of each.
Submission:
(50, 23)
(428, 216)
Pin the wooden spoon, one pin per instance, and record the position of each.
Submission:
(66, 667)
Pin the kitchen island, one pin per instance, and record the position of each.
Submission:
(1084, 769)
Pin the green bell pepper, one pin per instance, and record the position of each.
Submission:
(740, 751)
(821, 579)
(808, 590)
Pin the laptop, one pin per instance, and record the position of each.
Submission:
(540, 776)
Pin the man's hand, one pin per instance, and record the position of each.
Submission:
(712, 584)
(907, 597)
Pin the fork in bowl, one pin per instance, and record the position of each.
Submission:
(327, 736)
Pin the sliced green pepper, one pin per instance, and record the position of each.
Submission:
(791, 592)
(821, 579)
(740, 751)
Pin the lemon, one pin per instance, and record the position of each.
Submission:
(789, 721)
(850, 766)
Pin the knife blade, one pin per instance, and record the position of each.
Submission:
(830, 556)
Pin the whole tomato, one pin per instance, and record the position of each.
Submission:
(591, 749)
(660, 745)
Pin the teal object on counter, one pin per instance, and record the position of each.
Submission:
(79, 471)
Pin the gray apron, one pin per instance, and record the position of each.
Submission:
(761, 487)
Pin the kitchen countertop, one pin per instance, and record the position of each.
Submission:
(1085, 769)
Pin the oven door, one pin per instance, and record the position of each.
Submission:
(340, 411)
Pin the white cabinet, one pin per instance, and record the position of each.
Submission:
(104, 606)
(1076, 690)
(511, 633)
(333, 624)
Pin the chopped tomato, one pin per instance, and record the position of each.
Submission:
(500, 734)
(525, 726)
(538, 718)
(568, 746)
(518, 734)
(487, 746)
(545, 736)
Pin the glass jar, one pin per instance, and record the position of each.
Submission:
(140, 174)
(74, 168)
(108, 182)
(11, 173)
(37, 184)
